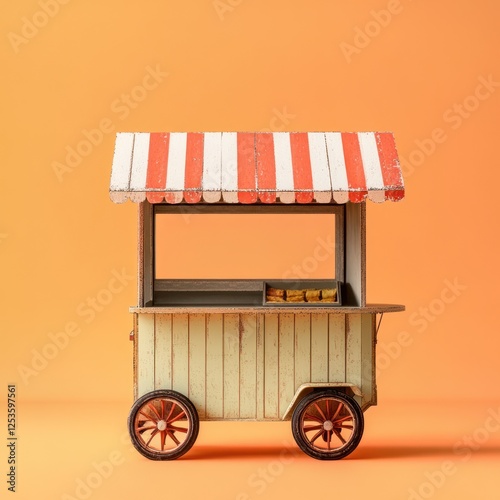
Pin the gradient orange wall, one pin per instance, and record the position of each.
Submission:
(428, 71)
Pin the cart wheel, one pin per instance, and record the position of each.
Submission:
(163, 425)
(327, 425)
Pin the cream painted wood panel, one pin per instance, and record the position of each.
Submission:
(302, 349)
(146, 357)
(271, 374)
(163, 351)
(353, 349)
(231, 363)
(214, 399)
(249, 366)
(260, 367)
(336, 347)
(197, 353)
(286, 361)
(368, 383)
(180, 353)
(319, 347)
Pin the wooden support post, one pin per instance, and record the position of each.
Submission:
(355, 254)
(145, 243)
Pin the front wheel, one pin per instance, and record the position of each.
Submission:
(163, 425)
(327, 425)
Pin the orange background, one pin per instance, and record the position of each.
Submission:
(250, 65)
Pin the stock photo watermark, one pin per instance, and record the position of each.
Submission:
(100, 472)
(465, 448)
(363, 36)
(12, 457)
(388, 352)
(121, 107)
(31, 26)
(323, 250)
(224, 7)
(86, 312)
(263, 477)
(454, 117)
(279, 120)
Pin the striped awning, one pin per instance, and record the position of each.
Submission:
(243, 167)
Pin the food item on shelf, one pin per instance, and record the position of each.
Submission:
(295, 298)
(295, 293)
(275, 292)
(325, 295)
(313, 295)
(329, 294)
(273, 298)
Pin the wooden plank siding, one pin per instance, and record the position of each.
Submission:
(231, 366)
(197, 362)
(214, 400)
(286, 361)
(163, 351)
(368, 351)
(146, 353)
(249, 366)
(271, 366)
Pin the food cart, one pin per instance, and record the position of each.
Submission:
(254, 349)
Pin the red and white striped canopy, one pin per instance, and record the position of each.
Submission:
(243, 167)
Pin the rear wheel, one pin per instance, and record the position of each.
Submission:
(163, 425)
(327, 425)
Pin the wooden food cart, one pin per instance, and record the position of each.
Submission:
(255, 349)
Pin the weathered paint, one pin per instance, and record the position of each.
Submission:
(242, 167)
(249, 366)
(163, 350)
(214, 400)
(146, 354)
(180, 353)
(231, 366)
(197, 361)
(271, 367)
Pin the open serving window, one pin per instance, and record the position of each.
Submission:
(217, 199)
(250, 256)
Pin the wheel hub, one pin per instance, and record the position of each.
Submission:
(328, 425)
(161, 425)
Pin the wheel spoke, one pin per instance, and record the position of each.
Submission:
(177, 417)
(311, 417)
(344, 427)
(163, 435)
(153, 434)
(140, 430)
(316, 436)
(343, 419)
(308, 428)
(337, 433)
(174, 439)
(172, 408)
(155, 411)
(320, 411)
(177, 429)
(329, 440)
(337, 411)
(148, 417)
(162, 409)
(327, 409)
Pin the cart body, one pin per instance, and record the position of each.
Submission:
(216, 358)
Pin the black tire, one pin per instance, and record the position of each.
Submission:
(163, 425)
(332, 416)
